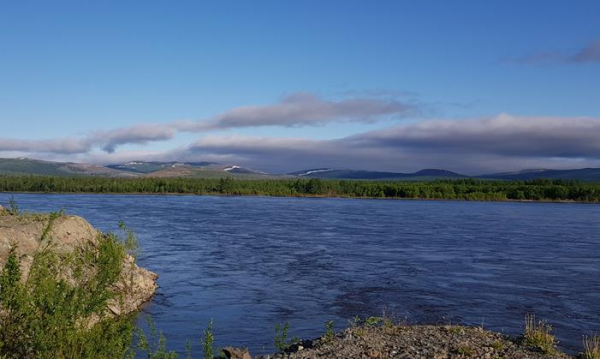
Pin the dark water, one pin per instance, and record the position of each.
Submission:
(253, 262)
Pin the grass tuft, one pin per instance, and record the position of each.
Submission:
(497, 345)
(538, 334)
(591, 347)
(465, 350)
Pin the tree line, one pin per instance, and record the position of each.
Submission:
(460, 189)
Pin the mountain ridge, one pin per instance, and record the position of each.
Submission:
(200, 169)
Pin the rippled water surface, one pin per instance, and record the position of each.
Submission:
(253, 262)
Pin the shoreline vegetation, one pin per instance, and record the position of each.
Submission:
(66, 289)
(56, 302)
(539, 190)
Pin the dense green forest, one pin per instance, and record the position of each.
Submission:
(463, 189)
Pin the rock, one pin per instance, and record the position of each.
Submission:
(69, 233)
(236, 353)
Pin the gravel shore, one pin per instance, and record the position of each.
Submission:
(414, 342)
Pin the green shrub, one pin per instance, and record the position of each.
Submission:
(209, 339)
(47, 315)
(281, 333)
(155, 346)
(329, 333)
(372, 321)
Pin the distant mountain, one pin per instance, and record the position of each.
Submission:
(426, 174)
(432, 172)
(584, 174)
(238, 169)
(313, 171)
(27, 166)
(186, 169)
(150, 167)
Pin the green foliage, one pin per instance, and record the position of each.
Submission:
(281, 337)
(538, 334)
(373, 320)
(155, 347)
(51, 218)
(497, 345)
(226, 186)
(188, 349)
(456, 330)
(459, 189)
(11, 275)
(329, 333)
(465, 350)
(48, 316)
(130, 242)
(209, 339)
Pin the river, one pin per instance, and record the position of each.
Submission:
(250, 263)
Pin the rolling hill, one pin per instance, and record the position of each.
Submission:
(426, 174)
(26, 166)
(583, 174)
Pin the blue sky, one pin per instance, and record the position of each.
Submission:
(75, 73)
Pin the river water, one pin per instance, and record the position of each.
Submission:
(250, 263)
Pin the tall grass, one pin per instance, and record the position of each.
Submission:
(538, 334)
(591, 347)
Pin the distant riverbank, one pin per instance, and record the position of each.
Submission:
(542, 190)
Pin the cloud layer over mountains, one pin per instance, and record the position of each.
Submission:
(296, 110)
(502, 142)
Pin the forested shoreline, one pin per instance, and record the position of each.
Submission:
(462, 189)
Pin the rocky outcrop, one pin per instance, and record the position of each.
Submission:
(137, 285)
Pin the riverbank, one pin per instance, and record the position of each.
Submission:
(462, 190)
